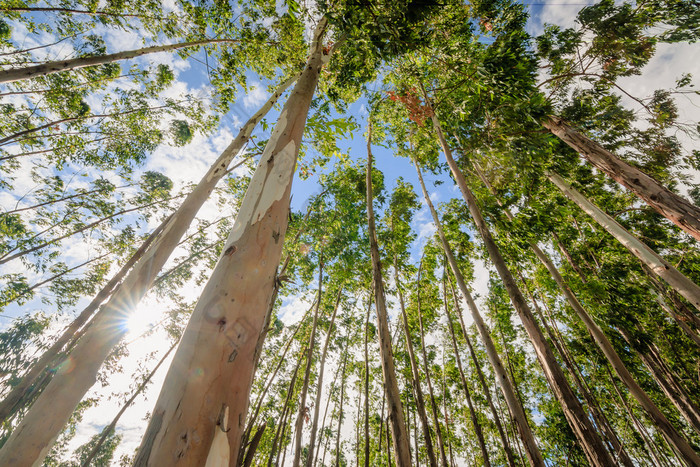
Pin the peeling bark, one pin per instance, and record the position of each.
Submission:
(213, 365)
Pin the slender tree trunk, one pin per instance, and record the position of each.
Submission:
(426, 369)
(303, 410)
(617, 449)
(279, 432)
(258, 404)
(420, 401)
(110, 428)
(467, 392)
(660, 420)
(675, 208)
(323, 423)
(514, 405)
(340, 411)
(480, 374)
(446, 413)
(35, 435)
(398, 425)
(578, 420)
(17, 74)
(366, 382)
(17, 393)
(221, 336)
(666, 381)
(253, 447)
(319, 384)
(646, 255)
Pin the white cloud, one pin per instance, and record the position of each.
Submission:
(255, 97)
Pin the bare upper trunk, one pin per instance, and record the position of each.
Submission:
(17, 74)
(514, 405)
(398, 426)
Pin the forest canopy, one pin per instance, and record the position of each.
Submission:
(389, 232)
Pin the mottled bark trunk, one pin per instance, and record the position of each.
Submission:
(398, 425)
(221, 337)
(673, 207)
(646, 255)
(514, 405)
(35, 435)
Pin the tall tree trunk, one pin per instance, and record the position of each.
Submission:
(646, 255)
(662, 423)
(418, 391)
(34, 436)
(660, 420)
(617, 449)
(221, 337)
(319, 384)
(279, 432)
(340, 411)
(426, 369)
(323, 424)
(514, 405)
(303, 410)
(665, 379)
(15, 396)
(366, 384)
(480, 374)
(465, 386)
(18, 74)
(110, 428)
(391, 387)
(673, 207)
(578, 419)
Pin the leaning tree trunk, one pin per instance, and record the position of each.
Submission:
(480, 374)
(17, 74)
(514, 405)
(426, 369)
(15, 396)
(673, 207)
(662, 423)
(221, 337)
(319, 384)
(398, 425)
(420, 401)
(573, 410)
(299, 425)
(34, 436)
(465, 386)
(646, 255)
